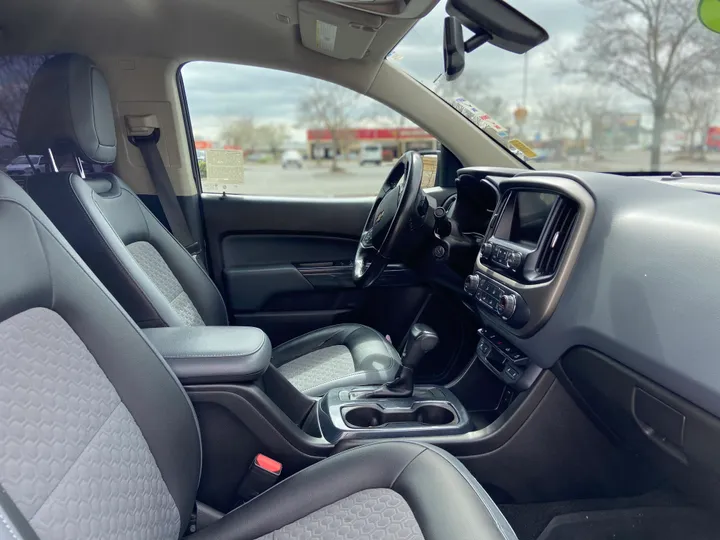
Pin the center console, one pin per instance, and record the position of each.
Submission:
(522, 266)
(528, 250)
(523, 246)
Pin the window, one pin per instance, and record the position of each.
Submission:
(619, 86)
(259, 131)
(16, 73)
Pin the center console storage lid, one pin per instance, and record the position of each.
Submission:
(213, 354)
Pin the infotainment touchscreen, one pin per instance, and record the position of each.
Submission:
(524, 217)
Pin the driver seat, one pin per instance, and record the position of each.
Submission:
(68, 109)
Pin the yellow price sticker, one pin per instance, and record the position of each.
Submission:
(524, 148)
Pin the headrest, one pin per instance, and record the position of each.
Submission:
(68, 110)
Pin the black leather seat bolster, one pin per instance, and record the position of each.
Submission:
(41, 270)
(213, 354)
(99, 217)
(369, 349)
(446, 501)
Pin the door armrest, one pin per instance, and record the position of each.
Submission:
(213, 354)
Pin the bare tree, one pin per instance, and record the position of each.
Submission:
(381, 114)
(471, 86)
(330, 107)
(272, 137)
(696, 106)
(571, 114)
(646, 47)
(16, 73)
(497, 107)
(242, 133)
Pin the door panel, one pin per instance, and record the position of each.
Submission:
(285, 265)
(266, 249)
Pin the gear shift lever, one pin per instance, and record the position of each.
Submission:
(421, 341)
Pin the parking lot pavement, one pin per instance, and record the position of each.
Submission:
(634, 161)
(356, 181)
(310, 181)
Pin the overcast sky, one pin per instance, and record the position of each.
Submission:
(218, 92)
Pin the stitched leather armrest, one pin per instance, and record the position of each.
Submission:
(213, 354)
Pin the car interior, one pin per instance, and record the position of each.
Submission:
(497, 352)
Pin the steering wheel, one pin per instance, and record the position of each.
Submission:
(395, 206)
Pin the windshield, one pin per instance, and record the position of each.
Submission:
(619, 86)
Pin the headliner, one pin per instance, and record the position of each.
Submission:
(240, 31)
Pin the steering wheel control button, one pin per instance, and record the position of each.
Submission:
(472, 284)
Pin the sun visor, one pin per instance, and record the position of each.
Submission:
(335, 30)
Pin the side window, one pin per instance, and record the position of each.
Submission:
(16, 72)
(259, 131)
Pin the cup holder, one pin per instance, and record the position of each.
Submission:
(369, 417)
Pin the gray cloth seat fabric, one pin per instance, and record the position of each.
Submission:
(339, 355)
(98, 439)
(152, 275)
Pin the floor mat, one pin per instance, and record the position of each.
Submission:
(530, 520)
(634, 524)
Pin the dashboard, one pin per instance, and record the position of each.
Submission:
(613, 282)
(635, 275)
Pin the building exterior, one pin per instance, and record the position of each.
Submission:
(394, 141)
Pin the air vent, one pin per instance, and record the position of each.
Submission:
(559, 228)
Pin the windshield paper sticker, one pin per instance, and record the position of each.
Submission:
(528, 152)
(225, 171)
(478, 117)
(485, 122)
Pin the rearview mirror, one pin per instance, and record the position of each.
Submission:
(498, 23)
(453, 48)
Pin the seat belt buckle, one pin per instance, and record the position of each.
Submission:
(193, 249)
(263, 474)
(192, 523)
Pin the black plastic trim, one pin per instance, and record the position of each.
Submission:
(642, 413)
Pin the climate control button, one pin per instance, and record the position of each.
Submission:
(514, 260)
(506, 306)
(472, 284)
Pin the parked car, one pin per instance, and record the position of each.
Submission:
(20, 166)
(371, 153)
(291, 158)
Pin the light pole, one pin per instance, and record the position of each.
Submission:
(521, 111)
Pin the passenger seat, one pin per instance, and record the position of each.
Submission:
(98, 439)
(68, 109)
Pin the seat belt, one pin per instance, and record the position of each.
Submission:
(144, 132)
